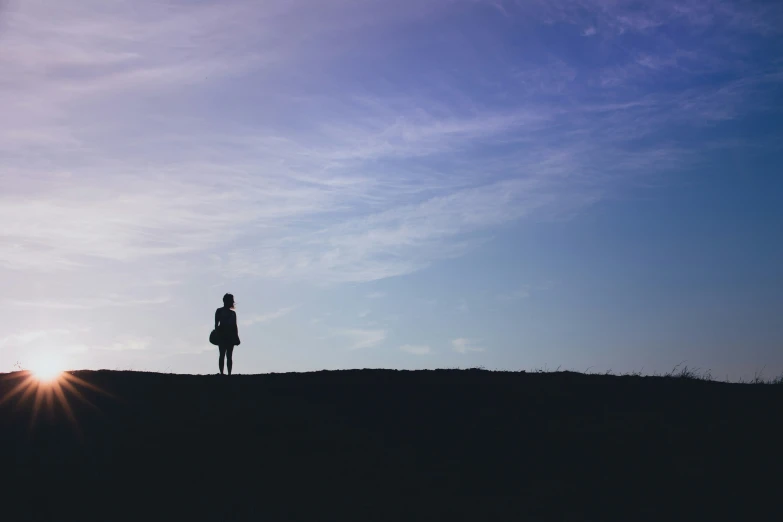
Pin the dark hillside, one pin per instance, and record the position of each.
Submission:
(393, 445)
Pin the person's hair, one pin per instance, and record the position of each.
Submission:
(228, 301)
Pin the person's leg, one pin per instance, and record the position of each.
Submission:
(220, 360)
(229, 353)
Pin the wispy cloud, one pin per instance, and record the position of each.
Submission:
(30, 336)
(304, 143)
(90, 303)
(623, 16)
(416, 349)
(164, 282)
(41, 343)
(360, 338)
(128, 344)
(408, 225)
(463, 345)
(300, 143)
(269, 316)
(333, 211)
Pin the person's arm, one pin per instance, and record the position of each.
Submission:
(216, 318)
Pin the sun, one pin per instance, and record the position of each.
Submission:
(47, 367)
(46, 386)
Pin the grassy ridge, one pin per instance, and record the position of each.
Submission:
(396, 445)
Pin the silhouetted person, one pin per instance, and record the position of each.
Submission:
(226, 328)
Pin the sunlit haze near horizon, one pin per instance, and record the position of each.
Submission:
(583, 184)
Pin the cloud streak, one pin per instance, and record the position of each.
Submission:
(304, 148)
(362, 338)
(267, 317)
(332, 211)
(89, 303)
(113, 155)
(416, 349)
(464, 346)
(31, 336)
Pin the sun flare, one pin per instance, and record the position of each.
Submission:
(47, 368)
(48, 388)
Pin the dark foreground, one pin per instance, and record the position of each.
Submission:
(392, 445)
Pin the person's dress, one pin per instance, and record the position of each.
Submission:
(227, 326)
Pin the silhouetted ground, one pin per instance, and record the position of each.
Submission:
(395, 445)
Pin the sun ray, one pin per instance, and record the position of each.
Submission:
(48, 395)
(37, 393)
(58, 391)
(69, 377)
(22, 375)
(31, 389)
(76, 393)
(19, 388)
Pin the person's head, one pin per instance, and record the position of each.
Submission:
(228, 301)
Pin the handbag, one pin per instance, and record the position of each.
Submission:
(214, 338)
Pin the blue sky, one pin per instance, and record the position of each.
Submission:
(412, 184)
